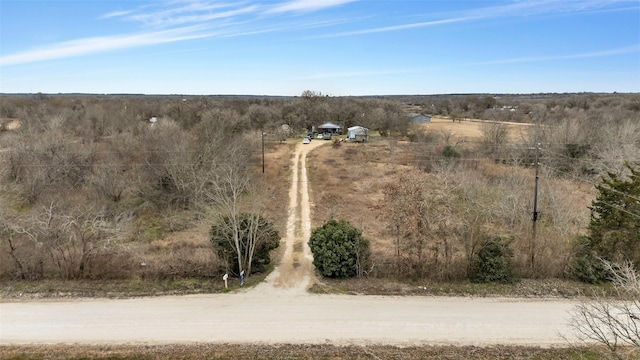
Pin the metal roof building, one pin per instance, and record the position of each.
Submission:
(330, 127)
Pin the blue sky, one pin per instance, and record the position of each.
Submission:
(337, 47)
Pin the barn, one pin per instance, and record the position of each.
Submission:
(420, 118)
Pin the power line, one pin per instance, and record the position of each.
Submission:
(614, 190)
(576, 178)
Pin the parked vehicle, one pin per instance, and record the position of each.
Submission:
(320, 136)
(306, 140)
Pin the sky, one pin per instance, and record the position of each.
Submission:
(335, 47)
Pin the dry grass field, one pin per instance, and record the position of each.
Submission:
(472, 129)
(348, 182)
(284, 351)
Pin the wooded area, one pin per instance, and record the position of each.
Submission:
(90, 186)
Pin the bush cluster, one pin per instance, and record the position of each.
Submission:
(339, 250)
(493, 262)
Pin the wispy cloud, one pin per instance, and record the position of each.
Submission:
(182, 20)
(115, 14)
(397, 27)
(541, 7)
(189, 12)
(307, 5)
(596, 54)
(518, 8)
(102, 44)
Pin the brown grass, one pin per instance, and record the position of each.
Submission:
(277, 177)
(347, 183)
(472, 128)
(288, 351)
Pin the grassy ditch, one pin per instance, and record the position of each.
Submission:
(526, 288)
(15, 290)
(235, 351)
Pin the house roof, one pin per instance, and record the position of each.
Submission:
(329, 126)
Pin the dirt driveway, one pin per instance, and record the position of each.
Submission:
(281, 311)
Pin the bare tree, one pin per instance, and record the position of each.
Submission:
(260, 116)
(62, 241)
(495, 136)
(233, 192)
(613, 322)
(416, 216)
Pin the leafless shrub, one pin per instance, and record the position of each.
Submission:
(495, 135)
(176, 260)
(47, 162)
(63, 242)
(421, 134)
(612, 322)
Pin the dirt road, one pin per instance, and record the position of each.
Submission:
(281, 311)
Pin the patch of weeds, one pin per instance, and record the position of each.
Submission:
(154, 231)
(321, 288)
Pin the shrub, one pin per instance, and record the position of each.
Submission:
(584, 264)
(339, 250)
(450, 152)
(493, 262)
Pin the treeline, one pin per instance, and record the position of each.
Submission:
(520, 108)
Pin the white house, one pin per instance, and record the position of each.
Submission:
(357, 133)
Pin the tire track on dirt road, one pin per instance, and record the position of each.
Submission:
(295, 272)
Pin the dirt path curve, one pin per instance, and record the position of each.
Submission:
(280, 310)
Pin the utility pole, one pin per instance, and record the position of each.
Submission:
(262, 135)
(535, 210)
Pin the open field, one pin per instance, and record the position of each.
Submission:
(471, 129)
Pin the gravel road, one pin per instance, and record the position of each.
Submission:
(280, 310)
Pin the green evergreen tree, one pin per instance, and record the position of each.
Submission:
(339, 250)
(493, 262)
(585, 265)
(615, 217)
